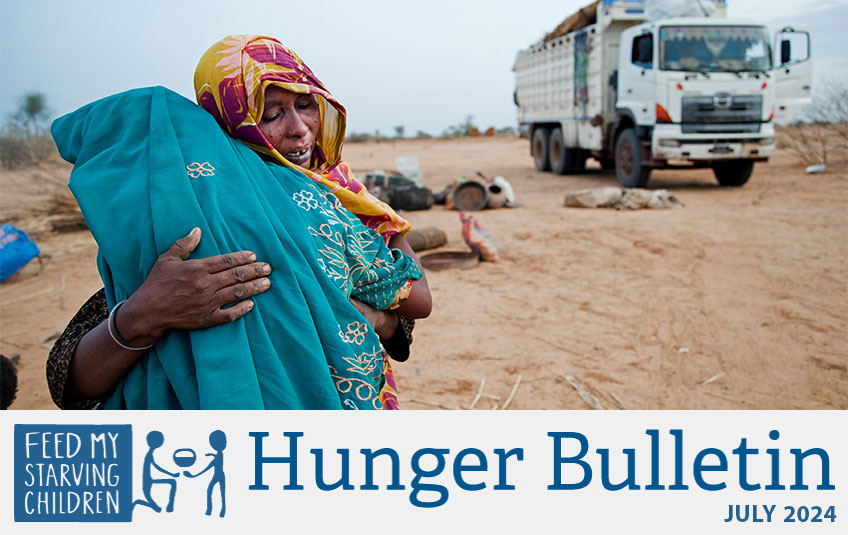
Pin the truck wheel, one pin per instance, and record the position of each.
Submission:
(629, 169)
(565, 161)
(733, 173)
(558, 154)
(540, 149)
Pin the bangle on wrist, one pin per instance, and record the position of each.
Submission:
(116, 336)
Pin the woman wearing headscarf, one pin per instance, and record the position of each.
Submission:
(304, 346)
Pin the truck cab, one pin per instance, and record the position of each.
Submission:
(669, 92)
(702, 92)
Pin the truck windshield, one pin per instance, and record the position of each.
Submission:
(714, 48)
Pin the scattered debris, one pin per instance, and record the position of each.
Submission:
(411, 198)
(407, 166)
(590, 400)
(399, 191)
(472, 196)
(16, 250)
(479, 393)
(468, 196)
(621, 198)
(616, 399)
(61, 289)
(715, 377)
(512, 393)
(449, 260)
(815, 169)
(496, 399)
(683, 350)
(500, 192)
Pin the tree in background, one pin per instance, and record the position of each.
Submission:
(25, 139)
(32, 114)
(399, 131)
(463, 129)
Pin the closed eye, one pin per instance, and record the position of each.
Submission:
(305, 102)
(271, 118)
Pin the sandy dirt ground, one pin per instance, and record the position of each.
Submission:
(738, 300)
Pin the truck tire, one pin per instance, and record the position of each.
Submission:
(564, 161)
(629, 168)
(733, 173)
(540, 149)
(557, 153)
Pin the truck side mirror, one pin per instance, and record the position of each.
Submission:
(794, 46)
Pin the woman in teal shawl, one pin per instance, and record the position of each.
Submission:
(150, 165)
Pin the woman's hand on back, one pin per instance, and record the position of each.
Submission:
(190, 294)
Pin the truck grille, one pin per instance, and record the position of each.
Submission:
(741, 114)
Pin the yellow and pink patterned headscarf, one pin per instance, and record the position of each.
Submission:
(230, 82)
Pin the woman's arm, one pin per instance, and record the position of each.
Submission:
(394, 327)
(90, 315)
(419, 304)
(177, 294)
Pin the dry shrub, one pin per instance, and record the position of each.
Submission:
(823, 130)
(18, 150)
(809, 142)
(60, 213)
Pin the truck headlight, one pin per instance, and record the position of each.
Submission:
(669, 143)
(767, 141)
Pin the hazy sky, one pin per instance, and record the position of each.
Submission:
(425, 65)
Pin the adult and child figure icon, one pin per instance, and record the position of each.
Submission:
(218, 442)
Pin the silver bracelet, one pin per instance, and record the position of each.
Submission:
(113, 330)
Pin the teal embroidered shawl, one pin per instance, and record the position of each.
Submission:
(149, 166)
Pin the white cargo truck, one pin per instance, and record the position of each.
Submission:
(639, 94)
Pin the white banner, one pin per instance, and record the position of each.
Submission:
(425, 471)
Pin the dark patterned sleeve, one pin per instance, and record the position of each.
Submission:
(398, 345)
(92, 314)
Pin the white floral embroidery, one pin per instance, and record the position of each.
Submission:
(305, 200)
(199, 169)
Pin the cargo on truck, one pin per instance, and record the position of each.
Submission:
(659, 84)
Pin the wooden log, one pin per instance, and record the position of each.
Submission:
(426, 238)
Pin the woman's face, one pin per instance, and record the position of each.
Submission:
(290, 123)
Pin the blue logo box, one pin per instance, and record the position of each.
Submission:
(73, 473)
